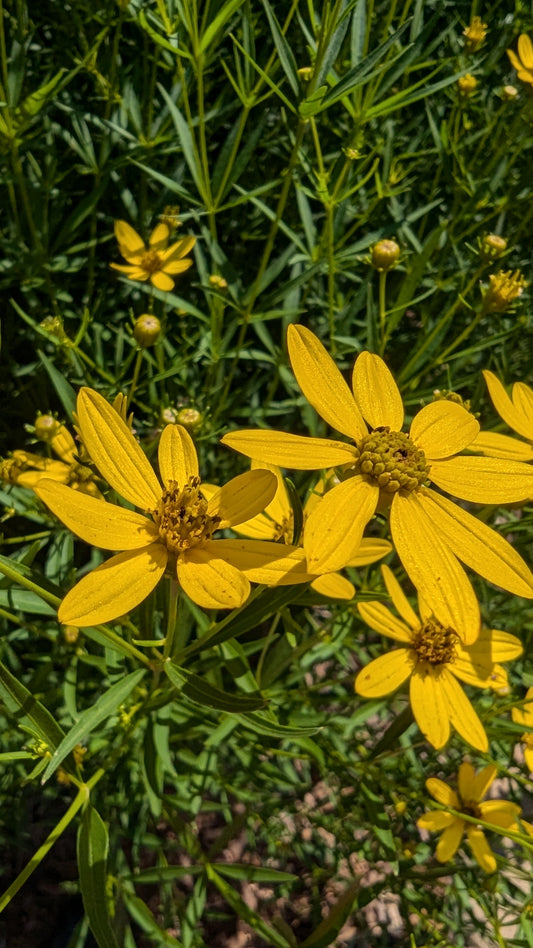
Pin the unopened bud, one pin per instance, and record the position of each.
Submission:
(46, 427)
(190, 418)
(385, 254)
(147, 330)
(492, 246)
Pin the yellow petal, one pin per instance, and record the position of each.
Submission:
(279, 509)
(95, 521)
(450, 841)
(287, 450)
(132, 273)
(161, 281)
(525, 50)
(500, 812)
(385, 674)
(53, 470)
(376, 392)
(333, 586)
(502, 446)
(433, 567)
(210, 582)
(114, 588)
(435, 820)
(322, 383)
(477, 665)
(461, 713)
(243, 497)
(480, 849)
(115, 451)
(176, 251)
(505, 407)
(370, 551)
(334, 529)
(442, 793)
(274, 564)
(484, 480)
(128, 238)
(177, 266)
(429, 705)
(443, 428)
(478, 546)
(379, 618)
(523, 402)
(64, 445)
(159, 237)
(524, 714)
(474, 786)
(400, 601)
(503, 646)
(177, 456)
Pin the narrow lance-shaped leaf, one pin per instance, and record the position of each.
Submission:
(92, 849)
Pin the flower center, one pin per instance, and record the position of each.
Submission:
(434, 643)
(471, 808)
(182, 517)
(392, 460)
(151, 261)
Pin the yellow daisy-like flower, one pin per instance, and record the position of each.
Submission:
(276, 523)
(472, 788)
(524, 716)
(385, 467)
(177, 534)
(432, 658)
(156, 262)
(523, 63)
(27, 469)
(504, 288)
(517, 412)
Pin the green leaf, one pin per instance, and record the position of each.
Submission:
(187, 143)
(354, 77)
(250, 873)
(204, 693)
(16, 697)
(285, 54)
(222, 17)
(269, 728)
(106, 705)
(34, 102)
(65, 392)
(92, 849)
(329, 928)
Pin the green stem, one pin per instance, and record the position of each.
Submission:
(135, 379)
(171, 619)
(22, 580)
(382, 310)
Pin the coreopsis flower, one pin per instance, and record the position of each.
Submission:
(383, 467)
(517, 412)
(503, 290)
(276, 522)
(523, 715)
(471, 788)
(156, 262)
(474, 34)
(467, 84)
(523, 63)
(174, 533)
(27, 469)
(432, 658)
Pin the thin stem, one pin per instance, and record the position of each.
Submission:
(382, 310)
(172, 616)
(136, 372)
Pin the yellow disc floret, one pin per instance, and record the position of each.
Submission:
(182, 516)
(435, 643)
(392, 460)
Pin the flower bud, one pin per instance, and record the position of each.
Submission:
(504, 288)
(467, 85)
(190, 418)
(492, 246)
(509, 92)
(474, 34)
(46, 427)
(385, 254)
(218, 282)
(147, 330)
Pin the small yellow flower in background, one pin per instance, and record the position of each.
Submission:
(504, 288)
(467, 84)
(523, 63)
(448, 395)
(382, 467)
(509, 92)
(305, 73)
(432, 658)
(147, 330)
(177, 534)
(385, 254)
(27, 469)
(471, 789)
(218, 282)
(171, 217)
(492, 246)
(524, 716)
(517, 412)
(276, 522)
(474, 34)
(156, 262)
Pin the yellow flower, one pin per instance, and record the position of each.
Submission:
(524, 716)
(504, 288)
(467, 84)
(474, 34)
(472, 788)
(276, 522)
(383, 466)
(517, 412)
(432, 658)
(155, 262)
(523, 63)
(177, 534)
(28, 469)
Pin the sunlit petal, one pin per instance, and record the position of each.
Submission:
(450, 841)
(385, 674)
(176, 251)
(484, 480)
(476, 786)
(433, 567)
(502, 813)
(525, 50)
(177, 456)
(133, 273)
(429, 704)
(370, 551)
(159, 237)
(478, 546)
(480, 848)
(524, 714)
(502, 446)
(95, 521)
(243, 497)
(443, 428)
(399, 599)
(522, 396)
(161, 281)
(333, 586)
(210, 582)
(461, 713)
(322, 383)
(177, 266)
(128, 238)
(288, 450)
(376, 392)
(274, 564)
(505, 407)
(442, 793)
(435, 820)
(114, 588)
(515, 62)
(279, 509)
(379, 618)
(115, 451)
(334, 529)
